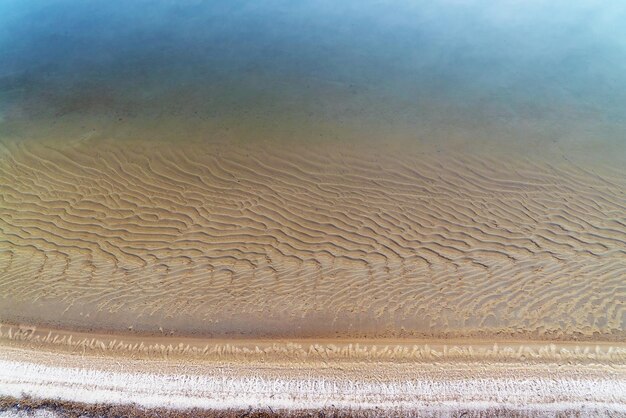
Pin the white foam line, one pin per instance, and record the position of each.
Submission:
(221, 390)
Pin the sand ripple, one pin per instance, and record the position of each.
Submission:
(310, 240)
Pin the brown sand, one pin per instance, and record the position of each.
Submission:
(323, 276)
(318, 240)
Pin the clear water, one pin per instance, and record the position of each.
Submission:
(431, 71)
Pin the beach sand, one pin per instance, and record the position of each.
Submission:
(201, 377)
(366, 278)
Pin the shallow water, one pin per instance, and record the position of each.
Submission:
(273, 168)
(468, 71)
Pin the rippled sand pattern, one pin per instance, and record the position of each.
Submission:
(310, 240)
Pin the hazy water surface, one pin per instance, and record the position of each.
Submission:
(535, 71)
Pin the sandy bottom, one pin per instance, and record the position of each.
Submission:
(311, 240)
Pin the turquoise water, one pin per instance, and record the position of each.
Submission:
(470, 70)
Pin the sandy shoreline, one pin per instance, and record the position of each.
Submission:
(358, 377)
(304, 350)
(252, 277)
(441, 379)
(221, 277)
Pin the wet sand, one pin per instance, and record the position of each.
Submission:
(367, 377)
(225, 275)
(323, 240)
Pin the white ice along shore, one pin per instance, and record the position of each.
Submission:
(217, 388)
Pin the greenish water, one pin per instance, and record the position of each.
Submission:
(516, 72)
